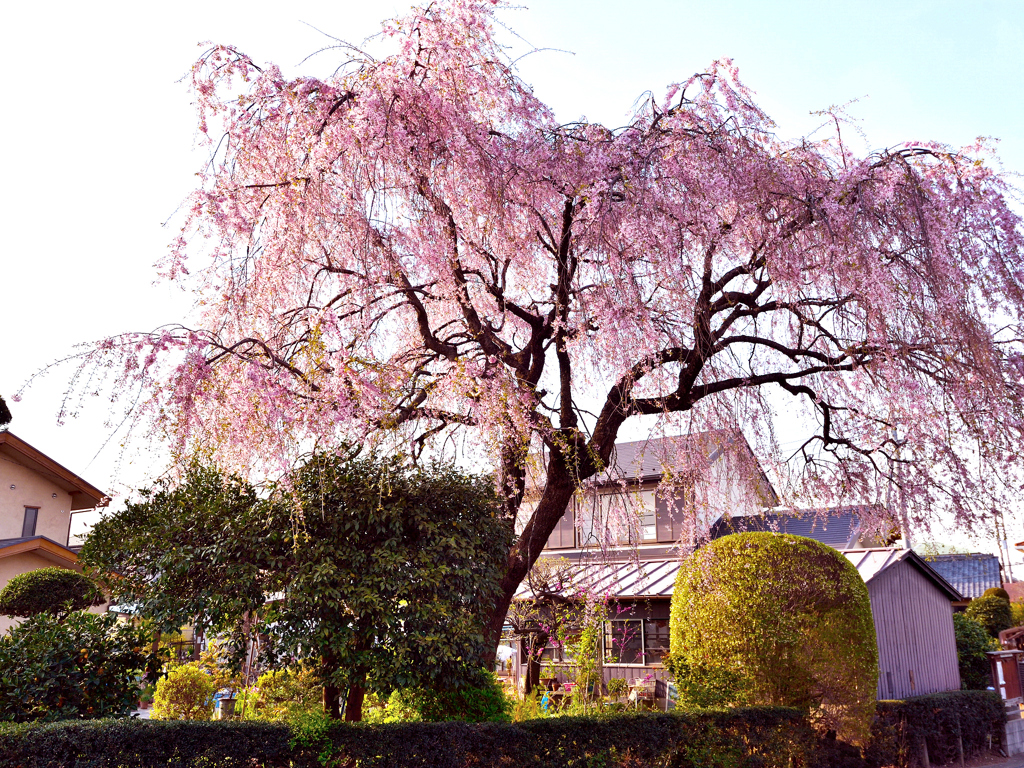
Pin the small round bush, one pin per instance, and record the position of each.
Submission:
(972, 641)
(998, 592)
(483, 703)
(186, 693)
(53, 591)
(992, 612)
(774, 619)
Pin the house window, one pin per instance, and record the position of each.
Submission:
(636, 642)
(617, 517)
(28, 527)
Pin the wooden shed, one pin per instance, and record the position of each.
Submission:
(912, 608)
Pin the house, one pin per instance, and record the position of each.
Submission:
(970, 574)
(37, 497)
(629, 510)
(911, 606)
(634, 566)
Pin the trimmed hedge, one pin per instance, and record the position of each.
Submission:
(760, 737)
(937, 719)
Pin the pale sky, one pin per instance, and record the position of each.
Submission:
(97, 132)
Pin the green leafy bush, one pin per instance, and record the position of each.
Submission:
(997, 592)
(484, 703)
(85, 666)
(972, 641)
(944, 721)
(765, 618)
(763, 737)
(283, 694)
(56, 591)
(992, 612)
(186, 693)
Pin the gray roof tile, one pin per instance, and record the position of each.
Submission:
(970, 574)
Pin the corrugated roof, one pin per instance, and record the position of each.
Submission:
(970, 574)
(656, 578)
(838, 527)
(871, 562)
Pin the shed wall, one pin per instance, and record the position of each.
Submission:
(914, 630)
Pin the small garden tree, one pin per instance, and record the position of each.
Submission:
(54, 591)
(972, 642)
(992, 612)
(5, 414)
(764, 618)
(378, 572)
(186, 693)
(78, 666)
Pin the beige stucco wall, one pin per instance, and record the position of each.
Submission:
(31, 490)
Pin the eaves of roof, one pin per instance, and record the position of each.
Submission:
(84, 495)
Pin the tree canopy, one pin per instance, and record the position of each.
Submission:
(414, 249)
(54, 591)
(378, 574)
(767, 618)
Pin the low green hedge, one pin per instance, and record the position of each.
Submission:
(760, 737)
(937, 719)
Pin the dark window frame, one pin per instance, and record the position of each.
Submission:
(30, 521)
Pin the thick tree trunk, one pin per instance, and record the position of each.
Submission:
(331, 705)
(354, 703)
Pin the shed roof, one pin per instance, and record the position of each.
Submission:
(871, 562)
(971, 574)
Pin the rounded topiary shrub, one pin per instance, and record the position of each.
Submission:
(992, 612)
(186, 693)
(997, 592)
(765, 618)
(53, 591)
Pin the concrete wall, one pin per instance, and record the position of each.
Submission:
(914, 629)
(32, 490)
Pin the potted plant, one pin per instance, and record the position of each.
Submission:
(548, 678)
(616, 689)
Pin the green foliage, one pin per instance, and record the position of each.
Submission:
(616, 687)
(1017, 613)
(764, 618)
(5, 414)
(975, 717)
(382, 569)
(768, 738)
(972, 641)
(485, 703)
(85, 666)
(56, 591)
(992, 612)
(283, 694)
(186, 693)
(997, 592)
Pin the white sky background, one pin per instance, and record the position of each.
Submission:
(97, 134)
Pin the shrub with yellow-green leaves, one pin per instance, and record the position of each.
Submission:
(186, 693)
(764, 618)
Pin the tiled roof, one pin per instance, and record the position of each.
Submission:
(970, 574)
(838, 527)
